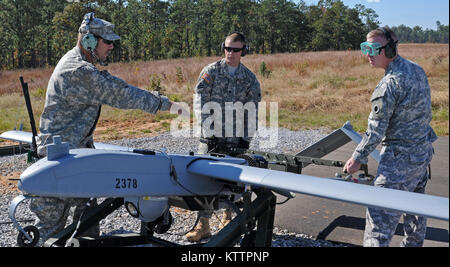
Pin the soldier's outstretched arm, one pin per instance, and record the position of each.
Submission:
(100, 87)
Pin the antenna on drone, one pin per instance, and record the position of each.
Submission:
(26, 95)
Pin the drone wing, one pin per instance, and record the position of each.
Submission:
(18, 136)
(26, 137)
(412, 203)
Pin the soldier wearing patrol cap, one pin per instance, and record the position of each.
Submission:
(75, 93)
(219, 84)
(93, 30)
(400, 120)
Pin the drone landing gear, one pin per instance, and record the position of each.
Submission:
(29, 235)
(30, 238)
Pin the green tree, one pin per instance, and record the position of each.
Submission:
(48, 10)
(176, 42)
(203, 27)
(368, 16)
(22, 29)
(38, 32)
(65, 27)
(7, 50)
(337, 28)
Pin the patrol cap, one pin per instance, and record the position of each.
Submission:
(99, 27)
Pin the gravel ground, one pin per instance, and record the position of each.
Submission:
(289, 142)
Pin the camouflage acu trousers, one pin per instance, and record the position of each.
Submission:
(203, 149)
(52, 214)
(402, 170)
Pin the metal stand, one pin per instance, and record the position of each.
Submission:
(91, 217)
(260, 213)
(257, 214)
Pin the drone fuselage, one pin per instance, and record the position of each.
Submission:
(104, 173)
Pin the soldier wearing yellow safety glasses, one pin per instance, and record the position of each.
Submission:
(400, 121)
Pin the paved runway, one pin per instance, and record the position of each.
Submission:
(343, 222)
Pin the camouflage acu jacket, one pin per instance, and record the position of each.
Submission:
(216, 85)
(401, 111)
(75, 93)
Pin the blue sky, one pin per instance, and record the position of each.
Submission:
(411, 13)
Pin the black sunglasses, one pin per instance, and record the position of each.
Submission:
(108, 42)
(234, 49)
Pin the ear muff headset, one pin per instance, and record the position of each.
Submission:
(391, 46)
(245, 48)
(89, 41)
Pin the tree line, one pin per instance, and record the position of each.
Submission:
(36, 33)
(418, 35)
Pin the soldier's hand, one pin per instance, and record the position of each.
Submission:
(351, 166)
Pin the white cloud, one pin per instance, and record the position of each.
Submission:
(373, 1)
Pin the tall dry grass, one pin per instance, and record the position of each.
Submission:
(313, 89)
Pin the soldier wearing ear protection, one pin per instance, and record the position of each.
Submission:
(374, 49)
(237, 36)
(93, 30)
(400, 121)
(76, 90)
(228, 80)
(225, 81)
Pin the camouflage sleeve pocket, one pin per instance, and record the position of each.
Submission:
(204, 84)
(377, 104)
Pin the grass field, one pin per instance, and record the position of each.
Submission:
(313, 89)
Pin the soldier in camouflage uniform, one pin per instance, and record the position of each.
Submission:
(226, 81)
(400, 120)
(75, 93)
